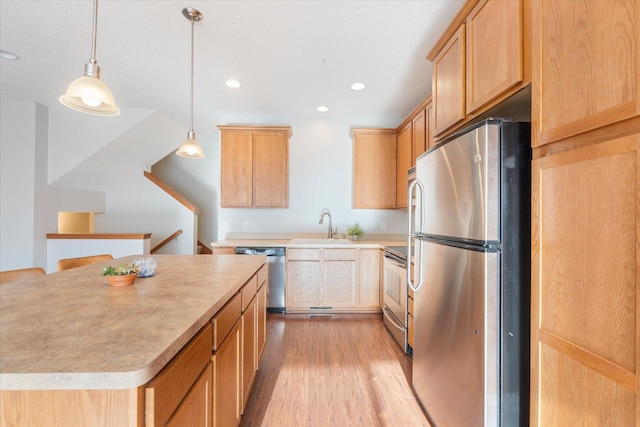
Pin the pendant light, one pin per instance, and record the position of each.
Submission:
(190, 147)
(88, 94)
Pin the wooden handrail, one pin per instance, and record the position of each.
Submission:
(170, 191)
(205, 249)
(165, 241)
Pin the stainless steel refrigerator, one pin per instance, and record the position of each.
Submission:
(470, 230)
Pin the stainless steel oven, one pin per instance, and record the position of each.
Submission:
(395, 293)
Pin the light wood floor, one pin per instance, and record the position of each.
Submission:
(332, 370)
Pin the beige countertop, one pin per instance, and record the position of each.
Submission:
(72, 330)
(314, 242)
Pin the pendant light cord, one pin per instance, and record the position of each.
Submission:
(92, 60)
(191, 115)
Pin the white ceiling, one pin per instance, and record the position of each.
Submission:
(290, 56)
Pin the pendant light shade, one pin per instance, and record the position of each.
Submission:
(191, 148)
(88, 94)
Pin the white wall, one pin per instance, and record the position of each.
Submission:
(17, 184)
(76, 136)
(28, 206)
(137, 205)
(320, 176)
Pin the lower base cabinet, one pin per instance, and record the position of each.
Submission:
(195, 409)
(184, 385)
(333, 279)
(249, 349)
(226, 380)
(262, 318)
(239, 335)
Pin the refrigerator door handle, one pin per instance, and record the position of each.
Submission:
(415, 234)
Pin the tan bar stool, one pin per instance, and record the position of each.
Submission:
(67, 263)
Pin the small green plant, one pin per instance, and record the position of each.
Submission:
(355, 231)
(121, 270)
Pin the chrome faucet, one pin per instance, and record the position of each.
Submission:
(326, 212)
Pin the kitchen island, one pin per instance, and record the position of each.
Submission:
(76, 351)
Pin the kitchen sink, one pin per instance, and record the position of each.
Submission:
(324, 241)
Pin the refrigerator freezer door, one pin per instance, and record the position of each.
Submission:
(455, 353)
(461, 180)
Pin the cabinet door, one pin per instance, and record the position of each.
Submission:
(403, 163)
(374, 170)
(303, 284)
(419, 140)
(249, 349)
(167, 391)
(369, 277)
(339, 283)
(195, 409)
(586, 66)
(449, 83)
(236, 169)
(226, 380)
(271, 169)
(585, 259)
(262, 320)
(494, 46)
(430, 131)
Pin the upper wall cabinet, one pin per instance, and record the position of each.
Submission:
(404, 160)
(448, 83)
(254, 166)
(587, 66)
(374, 168)
(480, 60)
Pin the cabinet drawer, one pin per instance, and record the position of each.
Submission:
(249, 291)
(262, 276)
(307, 254)
(340, 254)
(170, 386)
(224, 320)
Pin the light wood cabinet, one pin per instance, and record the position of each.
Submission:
(262, 316)
(584, 285)
(227, 364)
(374, 168)
(369, 265)
(195, 409)
(333, 279)
(254, 166)
(249, 348)
(304, 279)
(339, 277)
(475, 66)
(448, 83)
(404, 160)
(588, 74)
(420, 135)
(181, 384)
(494, 59)
(585, 345)
(227, 370)
(430, 131)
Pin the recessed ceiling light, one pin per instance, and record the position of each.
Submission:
(8, 55)
(358, 86)
(232, 84)
(322, 109)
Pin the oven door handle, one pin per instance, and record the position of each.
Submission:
(395, 262)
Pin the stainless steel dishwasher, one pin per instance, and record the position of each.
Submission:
(275, 264)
